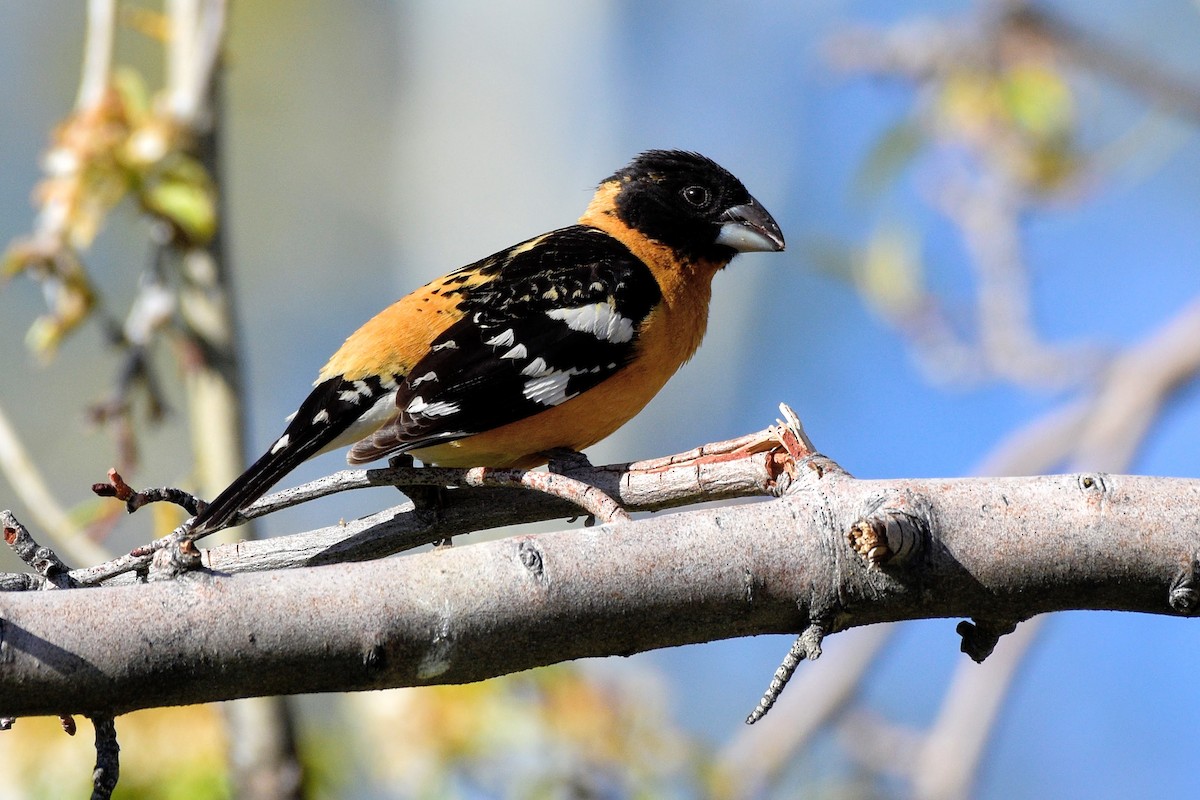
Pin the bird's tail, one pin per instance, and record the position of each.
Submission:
(329, 411)
(252, 484)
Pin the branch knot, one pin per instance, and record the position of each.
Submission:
(893, 531)
(1184, 595)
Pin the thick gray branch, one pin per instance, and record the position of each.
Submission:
(997, 550)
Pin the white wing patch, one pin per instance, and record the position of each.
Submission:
(504, 339)
(280, 444)
(516, 352)
(536, 368)
(599, 319)
(550, 387)
(360, 390)
(437, 409)
(428, 376)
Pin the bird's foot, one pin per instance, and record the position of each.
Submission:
(424, 498)
(562, 460)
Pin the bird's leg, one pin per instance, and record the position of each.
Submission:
(424, 498)
(562, 460)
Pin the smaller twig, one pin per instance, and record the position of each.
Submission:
(806, 646)
(166, 494)
(754, 758)
(21, 582)
(42, 560)
(613, 478)
(979, 637)
(97, 53)
(747, 466)
(137, 559)
(133, 499)
(589, 498)
(714, 452)
(108, 761)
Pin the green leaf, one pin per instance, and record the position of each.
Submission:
(1039, 101)
(183, 196)
(891, 274)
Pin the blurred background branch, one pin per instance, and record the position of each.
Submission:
(160, 149)
(995, 88)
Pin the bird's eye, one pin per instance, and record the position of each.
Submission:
(696, 196)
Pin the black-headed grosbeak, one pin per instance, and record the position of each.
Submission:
(553, 343)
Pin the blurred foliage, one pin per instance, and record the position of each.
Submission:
(557, 732)
(1020, 116)
(1005, 96)
(993, 133)
(166, 754)
(889, 272)
(892, 153)
(123, 146)
(886, 269)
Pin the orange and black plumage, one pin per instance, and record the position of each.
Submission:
(551, 344)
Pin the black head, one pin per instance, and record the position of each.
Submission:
(692, 204)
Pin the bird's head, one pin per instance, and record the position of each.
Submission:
(691, 204)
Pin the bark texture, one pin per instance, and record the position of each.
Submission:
(997, 550)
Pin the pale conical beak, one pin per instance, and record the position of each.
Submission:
(749, 228)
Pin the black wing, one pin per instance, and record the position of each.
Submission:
(553, 317)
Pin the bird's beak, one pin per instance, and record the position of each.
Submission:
(750, 228)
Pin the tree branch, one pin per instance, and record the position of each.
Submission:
(1104, 428)
(995, 549)
(108, 764)
(754, 465)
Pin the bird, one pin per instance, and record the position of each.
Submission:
(547, 346)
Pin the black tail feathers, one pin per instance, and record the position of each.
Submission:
(252, 484)
(324, 415)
